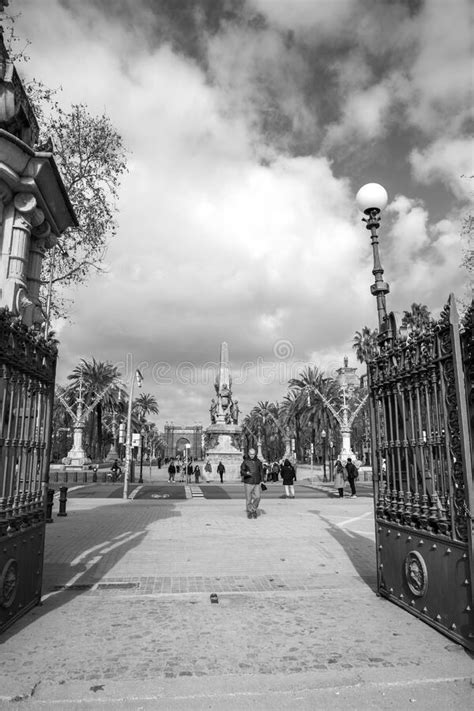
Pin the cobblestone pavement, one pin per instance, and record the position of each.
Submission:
(127, 619)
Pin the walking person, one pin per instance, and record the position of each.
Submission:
(221, 471)
(339, 478)
(275, 471)
(189, 472)
(171, 472)
(197, 474)
(352, 475)
(251, 472)
(208, 469)
(288, 475)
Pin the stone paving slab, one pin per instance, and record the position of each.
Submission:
(158, 639)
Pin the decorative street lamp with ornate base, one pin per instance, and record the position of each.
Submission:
(371, 199)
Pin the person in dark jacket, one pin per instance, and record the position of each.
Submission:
(251, 472)
(171, 472)
(275, 471)
(288, 475)
(352, 475)
(221, 471)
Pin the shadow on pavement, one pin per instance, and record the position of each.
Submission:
(360, 551)
(86, 539)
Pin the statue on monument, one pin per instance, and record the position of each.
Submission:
(223, 436)
(234, 412)
(223, 390)
(213, 411)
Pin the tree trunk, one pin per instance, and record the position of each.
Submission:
(297, 438)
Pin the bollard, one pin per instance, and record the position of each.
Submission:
(62, 501)
(49, 506)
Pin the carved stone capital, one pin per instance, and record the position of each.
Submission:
(5, 192)
(24, 203)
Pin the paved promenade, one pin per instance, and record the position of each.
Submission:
(127, 621)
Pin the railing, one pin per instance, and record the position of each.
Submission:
(423, 485)
(27, 373)
(417, 430)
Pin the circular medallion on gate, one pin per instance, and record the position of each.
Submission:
(8, 583)
(416, 573)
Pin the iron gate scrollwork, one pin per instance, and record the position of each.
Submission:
(423, 473)
(27, 375)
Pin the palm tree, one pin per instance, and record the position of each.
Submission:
(313, 410)
(418, 319)
(264, 420)
(365, 344)
(290, 416)
(99, 379)
(146, 404)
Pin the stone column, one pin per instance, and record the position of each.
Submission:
(16, 250)
(41, 240)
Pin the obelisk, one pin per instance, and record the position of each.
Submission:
(224, 433)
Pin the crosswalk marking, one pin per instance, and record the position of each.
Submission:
(196, 492)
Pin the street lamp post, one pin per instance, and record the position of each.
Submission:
(371, 200)
(187, 447)
(259, 444)
(331, 460)
(128, 442)
(311, 449)
(323, 437)
(142, 437)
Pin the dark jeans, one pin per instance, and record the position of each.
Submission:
(341, 492)
(352, 485)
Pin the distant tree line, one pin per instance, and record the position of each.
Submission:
(303, 416)
(91, 379)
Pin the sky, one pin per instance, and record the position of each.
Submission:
(251, 125)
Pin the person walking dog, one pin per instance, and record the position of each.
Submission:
(251, 472)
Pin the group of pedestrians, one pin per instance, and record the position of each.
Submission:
(188, 471)
(254, 473)
(253, 476)
(345, 473)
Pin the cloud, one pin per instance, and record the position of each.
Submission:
(422, 258)
(235, 222)
(365, 116)
(441, 73)
(324, 17)
(449, 160)
(263, 78)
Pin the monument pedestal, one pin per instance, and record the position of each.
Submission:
(77, 457)
(225, 448)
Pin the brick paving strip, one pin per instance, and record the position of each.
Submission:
(127, 620)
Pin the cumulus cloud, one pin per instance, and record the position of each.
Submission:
(236, 220)
(448, 160)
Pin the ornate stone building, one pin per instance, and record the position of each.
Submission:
(34, 211)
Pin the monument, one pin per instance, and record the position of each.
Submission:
(224, 435)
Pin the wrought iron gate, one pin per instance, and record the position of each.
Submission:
(27, 374)
(423, 479)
